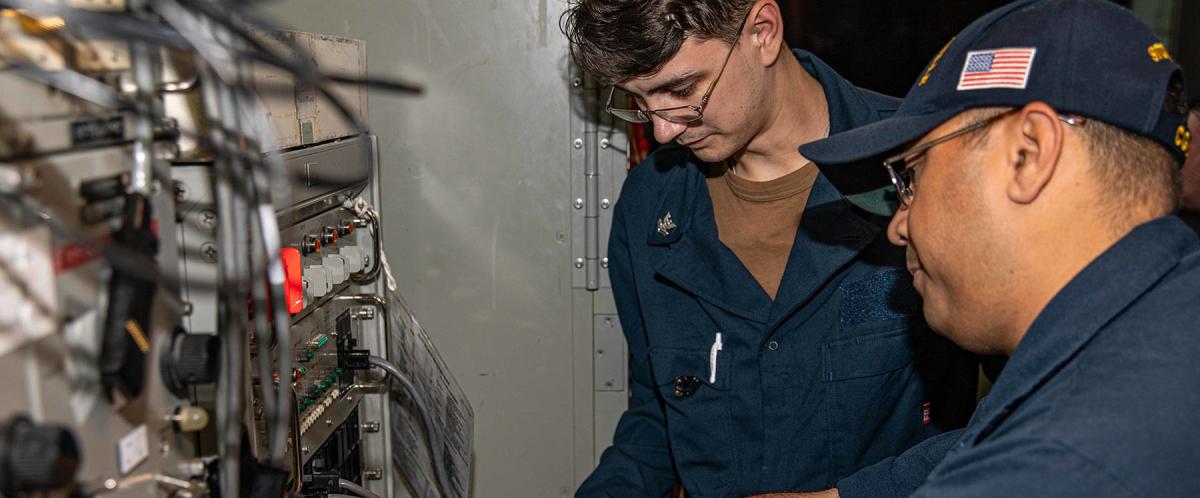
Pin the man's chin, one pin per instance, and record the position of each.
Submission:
(710, 154)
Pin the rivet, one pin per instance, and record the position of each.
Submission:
(578, 143)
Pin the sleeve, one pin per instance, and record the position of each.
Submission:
(899, 476)
(1022, 467)
(639, 461)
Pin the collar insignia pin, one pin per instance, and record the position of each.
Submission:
(665, 225)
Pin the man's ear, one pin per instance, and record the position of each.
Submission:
(1033, 143)
(764, 25)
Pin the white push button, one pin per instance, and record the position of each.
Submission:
(355, 259)
(336, 266)
(316, 281)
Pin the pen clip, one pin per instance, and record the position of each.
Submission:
(712, 359)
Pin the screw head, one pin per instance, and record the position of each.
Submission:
(579, 262)
(208, 219)
(578, 203)
(603, 143)
(210, 252)
(604, 203)
(578, 143)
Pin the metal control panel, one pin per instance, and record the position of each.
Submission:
(330, 260)
(190, 264)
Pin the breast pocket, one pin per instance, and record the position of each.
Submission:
(874, 395)
(698, 409)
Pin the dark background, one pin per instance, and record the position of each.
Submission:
(884, 45)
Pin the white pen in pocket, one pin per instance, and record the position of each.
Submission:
(712, 359)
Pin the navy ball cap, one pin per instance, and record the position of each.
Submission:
(1086, 57)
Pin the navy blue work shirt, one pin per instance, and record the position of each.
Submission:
(1098, 400)
(838, 372)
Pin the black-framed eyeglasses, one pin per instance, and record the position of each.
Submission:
(902, 167)
(682, 114)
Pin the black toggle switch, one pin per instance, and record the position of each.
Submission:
(686, 385)
(126, 339)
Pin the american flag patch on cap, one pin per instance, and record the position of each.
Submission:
(999, 68)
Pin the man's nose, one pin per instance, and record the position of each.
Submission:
(665, 131)
(898, 228)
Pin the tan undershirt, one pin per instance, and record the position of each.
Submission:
(758, 220)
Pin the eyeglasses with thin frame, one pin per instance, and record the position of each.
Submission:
(682, 114)
(902, 167)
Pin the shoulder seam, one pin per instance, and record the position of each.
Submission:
(1103, 469)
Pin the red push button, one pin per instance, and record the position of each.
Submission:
(293, 283)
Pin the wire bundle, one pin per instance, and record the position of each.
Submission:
(222, 36)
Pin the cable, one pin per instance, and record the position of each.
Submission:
(264, 253)
(351, 486)
(243, 185)
(298, 64)
(68, 81)
(433, 438)
(119, 26)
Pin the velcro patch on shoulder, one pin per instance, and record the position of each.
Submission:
(881, 296)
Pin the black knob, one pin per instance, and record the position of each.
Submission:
(192, 359)
(329, 236)
(310, 245)
(35, 457)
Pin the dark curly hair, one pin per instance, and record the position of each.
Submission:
(616, 40)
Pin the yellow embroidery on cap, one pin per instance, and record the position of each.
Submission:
(1159, 53)
(933, 63)
(1183, 139)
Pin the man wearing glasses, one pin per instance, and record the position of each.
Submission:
(775, 340)
(1038, 180)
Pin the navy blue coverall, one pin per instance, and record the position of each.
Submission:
(1098, 400)
(838, 372)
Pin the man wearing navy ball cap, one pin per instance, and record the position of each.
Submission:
(1037, 161)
